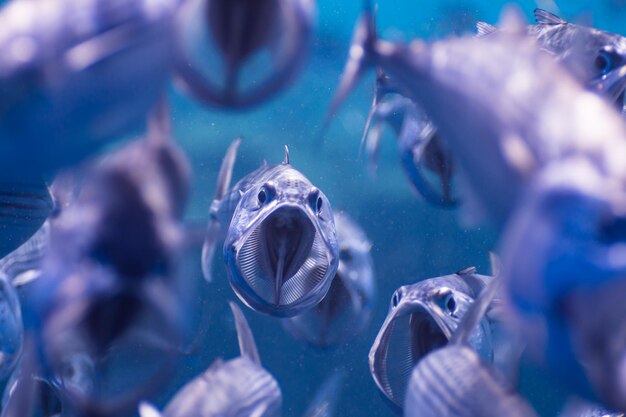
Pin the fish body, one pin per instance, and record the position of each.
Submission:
(77, 75)
(422, 317)
(111, 257)
(545, 158)
(280, 247)
(347, 307)
(240, 33)
(12, 329)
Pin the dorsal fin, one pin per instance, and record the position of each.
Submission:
(226, 169)
(484, 29)
(247, 346)
(475, 313)
(470, 270)
(286, 160)
(546, 18)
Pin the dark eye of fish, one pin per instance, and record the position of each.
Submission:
(605, 61)
(345, 255)
(266, 194)
(395, 299)
(450, 303)
(315, 200)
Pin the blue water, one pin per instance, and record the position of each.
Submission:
(411, 241)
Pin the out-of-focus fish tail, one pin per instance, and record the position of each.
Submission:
(360, 58)
(327, 396)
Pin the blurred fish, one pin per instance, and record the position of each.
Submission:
(523, 126)
(240, 387)
(595, 57)
(281, 246)
(24, 207)
(77, 74)
(346, 309)
(582, 409)
(77, 377)
(422, 317)
(112, 256)
(455, 381)
(11, 328)
(422, 153)
(240, 31)
(24, 264)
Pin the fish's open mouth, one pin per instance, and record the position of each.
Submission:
(284, 257)
(405, 340)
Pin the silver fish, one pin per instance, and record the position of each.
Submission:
(240, 387)
(112, 256)
(24, 264)
(241, 32)
(281, 246)
(422, 317)
(455, 381)
(595, 57)
(577, 408)
(24, 207)
(12, 329)
(78, 74)
(535, 132)
(346, 309)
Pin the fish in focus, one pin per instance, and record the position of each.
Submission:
(346, 309)
(422, 317)
(12, 328)
(76, 75)
(455, 381)
(111, 258)
(544, 159)
(280, 244)
(241, 33)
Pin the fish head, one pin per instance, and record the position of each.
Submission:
(346, 309)
(598, 58)
(281, 248)
(422, 318)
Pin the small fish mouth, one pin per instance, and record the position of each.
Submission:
(410, 333)
(283, 258)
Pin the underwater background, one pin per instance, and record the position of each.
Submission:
(411, 239)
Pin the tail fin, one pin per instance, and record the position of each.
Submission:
(359, 60)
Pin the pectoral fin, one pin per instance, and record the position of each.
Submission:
(247, 345)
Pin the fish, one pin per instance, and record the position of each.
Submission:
(240, 32)
(454, 380)
(544, 159)
(23, 265)
(346, 309)
(112, 257)
(240, 387)
(76, 76)
(422, 317)
(12, 329)
(233, 388)
(595, 57)
(280, 244)
(577, 408)
(24, 207)
(78, 377)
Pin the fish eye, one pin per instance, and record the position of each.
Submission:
(345, 255)
(449, 303)
(315, 200)
(395, 300)
(604, 62)
(266, 193)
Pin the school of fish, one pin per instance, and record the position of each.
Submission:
(519, 126)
